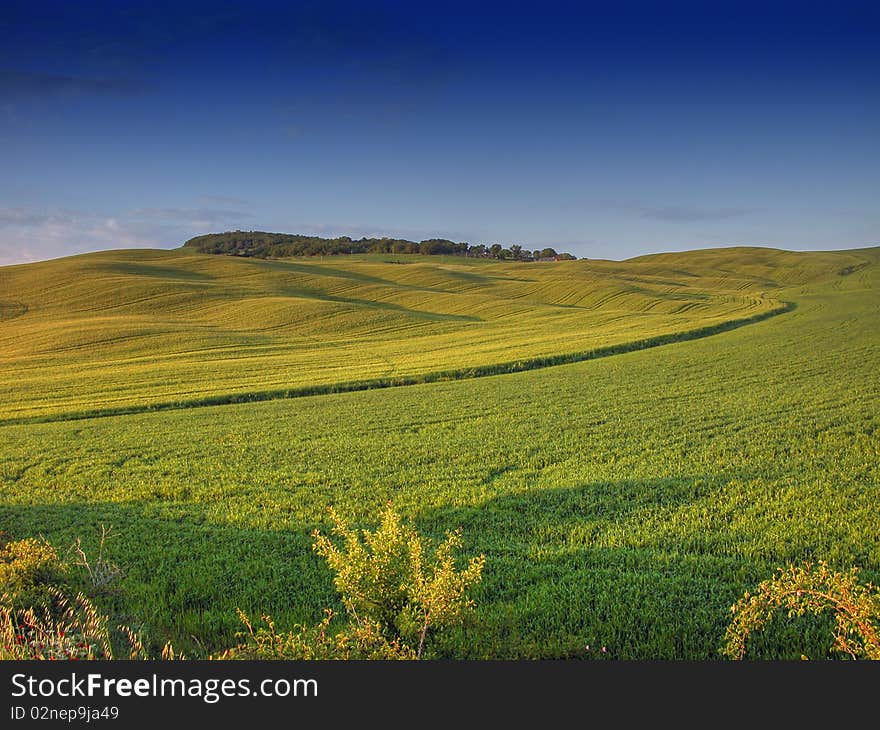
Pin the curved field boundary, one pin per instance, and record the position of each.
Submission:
(480, 371)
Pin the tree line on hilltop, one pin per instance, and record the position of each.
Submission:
(281, 245)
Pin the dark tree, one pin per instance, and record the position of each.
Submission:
(260, 244)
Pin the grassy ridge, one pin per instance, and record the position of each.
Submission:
(625, 501)
(120, 331)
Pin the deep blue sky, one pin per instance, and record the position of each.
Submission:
(608, 129)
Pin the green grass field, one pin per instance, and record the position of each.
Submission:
(624, 501)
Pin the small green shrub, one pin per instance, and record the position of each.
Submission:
(392, 578)
(29, 570)
(394, 587)
(799, 590)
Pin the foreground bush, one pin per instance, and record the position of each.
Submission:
(395, 588)
(30, 573)
(817, 589)
(393, 578)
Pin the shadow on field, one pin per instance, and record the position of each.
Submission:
(184, 576)
(377, 304)
(553, 511)
(563, 573)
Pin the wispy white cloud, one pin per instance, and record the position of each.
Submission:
(22, 217)
(35, 235)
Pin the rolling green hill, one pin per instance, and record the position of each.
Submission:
(123, 330)
(624, 501)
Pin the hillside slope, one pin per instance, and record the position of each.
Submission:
(124, 330)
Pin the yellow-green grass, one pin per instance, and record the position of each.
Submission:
(123, 330)
(626, 501)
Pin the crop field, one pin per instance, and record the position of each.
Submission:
(622, 502)
(124, 330)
